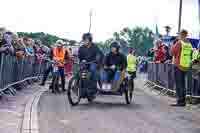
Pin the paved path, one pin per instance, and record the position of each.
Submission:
(149, 114)
(12, 109)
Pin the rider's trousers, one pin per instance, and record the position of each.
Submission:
(110, 75)
(93, 70)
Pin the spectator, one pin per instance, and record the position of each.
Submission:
(174, 42)
(2, 42)
(181, 50)
(18, 46)
(7, 37)
(132, 63)
(39, 51)
(167, 56)
(158, 52)
(70, 52)
(29, 48)
(150, 54)
(69, 64)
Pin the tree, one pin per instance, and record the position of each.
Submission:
(46, 39)
(138, 38)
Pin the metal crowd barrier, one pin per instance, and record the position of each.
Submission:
(163, 75)
(15, 70)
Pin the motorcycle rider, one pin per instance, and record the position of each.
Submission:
(113, 60)
(90, 52)
(60, 54)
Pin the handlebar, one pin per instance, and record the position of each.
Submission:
(52, 61)
(85, 62)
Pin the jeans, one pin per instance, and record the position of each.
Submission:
(93, 70)
(108, 75)
(61, 73)
(180, 77)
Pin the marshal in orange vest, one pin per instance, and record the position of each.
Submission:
(59, 55)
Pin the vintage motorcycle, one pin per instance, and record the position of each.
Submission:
(81, 86)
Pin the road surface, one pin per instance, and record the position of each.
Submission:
(110, 114)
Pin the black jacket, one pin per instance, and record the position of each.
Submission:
(118, 60)
(93, 53)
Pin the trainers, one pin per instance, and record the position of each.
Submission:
(178, 105)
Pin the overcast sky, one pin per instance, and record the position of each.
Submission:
(70, 18)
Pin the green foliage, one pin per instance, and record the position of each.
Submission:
(137, 38)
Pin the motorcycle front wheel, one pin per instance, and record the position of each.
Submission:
(73, 92)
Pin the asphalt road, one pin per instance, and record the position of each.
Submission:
(148, 114)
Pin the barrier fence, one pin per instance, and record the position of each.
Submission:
(14, 70)
(163, 75)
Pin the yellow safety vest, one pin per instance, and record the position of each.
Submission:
(186, 51)
(132, 63)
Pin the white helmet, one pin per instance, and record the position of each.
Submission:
(59, 43)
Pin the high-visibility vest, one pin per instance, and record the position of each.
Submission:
(186, 51)
(59, 55)
(131, 63)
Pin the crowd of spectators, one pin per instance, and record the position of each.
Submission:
(172, 54)
(160, 53)
(12, 44)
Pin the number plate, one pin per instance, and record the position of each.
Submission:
(109, 87)
(55, 69)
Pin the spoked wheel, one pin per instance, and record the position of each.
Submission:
(73, 91)
(55, 86)
(131, 88)
(128, 93)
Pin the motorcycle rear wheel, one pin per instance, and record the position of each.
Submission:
(128, 94)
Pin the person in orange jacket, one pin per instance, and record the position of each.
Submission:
(182, 52)
(60, 54)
